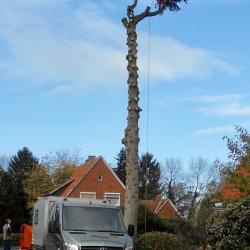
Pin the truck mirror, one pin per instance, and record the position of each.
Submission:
(131, 230)
(53, 227)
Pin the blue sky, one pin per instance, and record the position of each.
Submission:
(63, 77)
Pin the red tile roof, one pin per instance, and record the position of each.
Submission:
(156, 205)
(79, 174)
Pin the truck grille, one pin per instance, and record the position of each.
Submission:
(102, 248)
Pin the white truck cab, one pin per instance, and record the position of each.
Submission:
(76, 224)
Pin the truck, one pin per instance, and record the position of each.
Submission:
(77, 224)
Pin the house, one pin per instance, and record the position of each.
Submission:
(164, 208)
(94, 179)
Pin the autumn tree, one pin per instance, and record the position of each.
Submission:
(61, 165)
(131, 138)
(235, 174)
(38, 183)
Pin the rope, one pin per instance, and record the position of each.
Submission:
(147, 126)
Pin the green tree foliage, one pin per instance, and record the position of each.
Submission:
(62, 174)
(20, 167)
(149, 169)
(61, 165)
(38, 183)
(154, 222)
(203, 213)
(238, 146)
(150, 176)
(120, 170)
(230, 229)
(8, 194)
(185, 231)
(22, 164)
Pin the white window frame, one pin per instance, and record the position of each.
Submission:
(100, 179)
(94, 193)
(119, 200)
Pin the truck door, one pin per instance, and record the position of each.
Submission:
(53, 239)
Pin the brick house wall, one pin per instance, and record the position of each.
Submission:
(91, 183)
(93, 180)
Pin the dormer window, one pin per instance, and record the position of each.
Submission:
(100, 177)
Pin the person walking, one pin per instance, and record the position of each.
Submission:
(7, 234)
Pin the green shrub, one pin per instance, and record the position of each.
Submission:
(157, 241)
(230, 229)
(14, 239)
(185, 231)
(154, 222)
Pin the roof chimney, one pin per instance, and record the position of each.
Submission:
(90, 157)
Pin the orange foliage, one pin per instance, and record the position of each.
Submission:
(242, 171)
(230, 193)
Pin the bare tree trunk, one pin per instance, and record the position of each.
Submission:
(131, 139)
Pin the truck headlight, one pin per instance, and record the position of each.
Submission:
(129, 248)
(70, 246)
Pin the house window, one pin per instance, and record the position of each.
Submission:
(88, 195)
(114, 198)
(100, 177)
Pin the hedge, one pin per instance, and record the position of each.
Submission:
(158, 241)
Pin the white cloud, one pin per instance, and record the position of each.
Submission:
(214, 130)
(224, 105)
(234, 109)
(220, 98)
(66, 48)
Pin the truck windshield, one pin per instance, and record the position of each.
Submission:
(92, 219)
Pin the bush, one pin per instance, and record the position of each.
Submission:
(185, 231)
(158, 241)
(14, 239)
(181, 228)
(230, 229)
(154, 222)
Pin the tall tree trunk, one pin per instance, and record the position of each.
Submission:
(131, 139)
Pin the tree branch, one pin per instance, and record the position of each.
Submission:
(132, 7)
(125, 22)
(141, 16)
(157, 12)
(147, 13)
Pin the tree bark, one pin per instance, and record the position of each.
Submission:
(131, 139)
